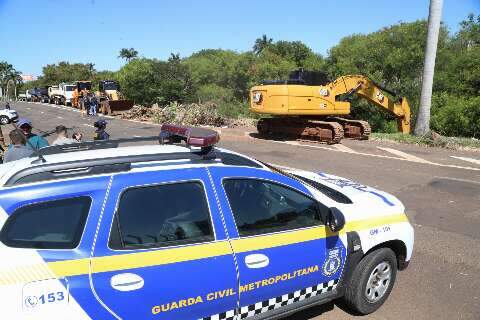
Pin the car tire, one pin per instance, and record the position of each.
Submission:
(372, 281)
(4, 120)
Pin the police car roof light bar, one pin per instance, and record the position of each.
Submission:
(194, 137)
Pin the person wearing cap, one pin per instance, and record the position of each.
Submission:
(18, 149)
(34, 141)
(62, 136)
(100, 133)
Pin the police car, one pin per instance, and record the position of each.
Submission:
(182, 229)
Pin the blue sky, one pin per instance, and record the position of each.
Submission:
(34, 33)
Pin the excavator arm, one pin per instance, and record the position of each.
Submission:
(369, 90)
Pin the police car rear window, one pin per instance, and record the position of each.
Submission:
(54, 224)
(162, 215)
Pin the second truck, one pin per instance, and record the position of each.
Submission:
(309, 106)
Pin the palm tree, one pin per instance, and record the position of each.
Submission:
(261, 44)
(422, 126)
(128, 54)
(15, 77)
(5, 72)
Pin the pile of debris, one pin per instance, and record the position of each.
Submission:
(193, 114)
(138, 112)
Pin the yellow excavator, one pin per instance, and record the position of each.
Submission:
(309, 106)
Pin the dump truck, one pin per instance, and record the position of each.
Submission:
(109, 92)
(81, 88)
(310, 106)
(61, 94)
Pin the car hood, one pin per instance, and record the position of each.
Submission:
(367, 199)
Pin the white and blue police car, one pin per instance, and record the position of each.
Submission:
(186, 230)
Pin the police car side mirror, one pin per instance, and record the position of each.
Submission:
(335, 219)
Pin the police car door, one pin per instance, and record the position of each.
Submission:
(46, 238)
(284, 252)
(162, 251)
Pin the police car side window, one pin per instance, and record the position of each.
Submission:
(54, 224)
(262, 207)
(162, 215)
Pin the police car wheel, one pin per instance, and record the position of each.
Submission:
(372, 281)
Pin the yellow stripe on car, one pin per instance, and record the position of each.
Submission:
(124, 261)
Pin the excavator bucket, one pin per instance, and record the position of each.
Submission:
(120, 105)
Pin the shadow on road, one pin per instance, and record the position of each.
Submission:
(316, 311)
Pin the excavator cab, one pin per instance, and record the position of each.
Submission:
(110, 85)
(309, 78)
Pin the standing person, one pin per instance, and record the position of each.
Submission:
(18, 149)
(83, 100)
(106, 105)
(93, 104)
(100, 133)
(7, 106)
(34, 140)
(62, 136)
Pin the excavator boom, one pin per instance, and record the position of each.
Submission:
(369, 90)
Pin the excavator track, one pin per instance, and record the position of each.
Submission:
(354, 129)
(312, 130)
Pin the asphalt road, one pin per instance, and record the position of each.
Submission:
(440, 189)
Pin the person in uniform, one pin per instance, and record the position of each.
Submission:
(100, 131)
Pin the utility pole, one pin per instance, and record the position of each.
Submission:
(422, 126)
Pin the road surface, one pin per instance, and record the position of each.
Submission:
(440, 189)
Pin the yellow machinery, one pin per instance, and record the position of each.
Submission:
(309, 106)
(82, 88)
(111, 89)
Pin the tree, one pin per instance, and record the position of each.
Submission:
(469, 34)
(422, 125)
(6, 70)
(128, 54)
(14, 77)
(148, 81)
(295, 51)
(66, 72)
(261, 44)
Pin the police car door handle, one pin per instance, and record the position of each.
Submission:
(126, 282)
(256, 260)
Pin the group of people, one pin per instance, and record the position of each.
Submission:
(23, 142)
(89, 104)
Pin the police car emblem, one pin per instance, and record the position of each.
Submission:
(333, 262)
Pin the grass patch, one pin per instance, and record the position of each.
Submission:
(432, 140)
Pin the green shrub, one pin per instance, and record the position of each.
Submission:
(456, 116)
